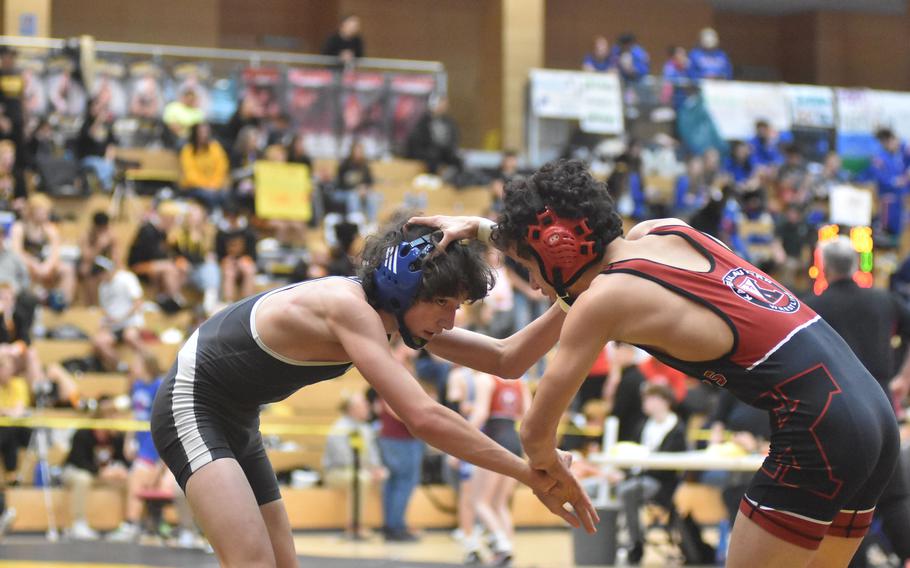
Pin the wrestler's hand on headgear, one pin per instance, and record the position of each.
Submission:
(453, 228)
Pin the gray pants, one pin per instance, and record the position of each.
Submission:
(633, 493)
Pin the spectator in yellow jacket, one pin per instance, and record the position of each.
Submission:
(204, 166)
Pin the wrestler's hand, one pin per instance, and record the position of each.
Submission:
(568, 490)
(453, 228)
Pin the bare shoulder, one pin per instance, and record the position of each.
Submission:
(610, 300)
(643, 228)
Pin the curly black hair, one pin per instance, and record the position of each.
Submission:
(566, 187)
(461, 271)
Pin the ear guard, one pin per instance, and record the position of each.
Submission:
(563, 249)
(398, 281)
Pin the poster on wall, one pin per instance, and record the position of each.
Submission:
(810, 106)
(892, 109)
(595, 99)
(735, 106)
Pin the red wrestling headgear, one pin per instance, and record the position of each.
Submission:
(563, 248)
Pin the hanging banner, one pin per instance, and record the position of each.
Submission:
(810, 106)
(735, 107)
(595, 99)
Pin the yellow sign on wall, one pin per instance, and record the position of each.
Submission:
(283, 191)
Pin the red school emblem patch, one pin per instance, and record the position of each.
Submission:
(760, 290)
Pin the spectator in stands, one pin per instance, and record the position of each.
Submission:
(434, 139)
(796, 238)
(12, 89)
(632, 60)
(508, 169)
(96, 144)
(529, 302)
(13, 191)
(355, 184)
(149, 256)
(98, 241)
(755, 235)
(741, 163)
(346, 42)
(15, 399)
(677, 76)
(889, 170)
(120, 297)
(661, 432)
(709, 61)
(499, 305)
(867, 318)
(765, 152)
(750, 431)
(12, 267)
(95, 456)
(622, 391)
(832, 174)
(183, 114)
(204, 167)
(235, 245)
(297, 153)
(36, 239)
(191, 244)
(246, 151)
(600, 58)
(39, 144)
(146, 470)
(249, 112)
(692, 188)
(338, 459)
(625, 183)
(17, 314)
(402, 455)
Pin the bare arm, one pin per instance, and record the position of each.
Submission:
(360, 332)
(508, 358)
(587, 329)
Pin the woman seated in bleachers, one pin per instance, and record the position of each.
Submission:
(36, 239)
(244, 154)
(98, 241)
(191, 244)
(235, 245)
(120, 296)
(96, 143)
(96, 456)
(338, 459)
(355, 185)
(204, 167)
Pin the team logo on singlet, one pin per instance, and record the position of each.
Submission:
(761, 291)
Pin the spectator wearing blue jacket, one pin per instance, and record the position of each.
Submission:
(631, 59)
(708, 60)
(889, 170)
(740, 164)
(600, 59)
(677, 76)
(764, 146)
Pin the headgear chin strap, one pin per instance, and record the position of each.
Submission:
(398, 281)
(563, 248)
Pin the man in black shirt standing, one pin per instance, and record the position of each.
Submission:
(345, 43)
(867, 319)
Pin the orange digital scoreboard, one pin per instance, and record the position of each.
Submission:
(861, 238)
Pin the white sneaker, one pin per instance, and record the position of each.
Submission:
(81, 531)
(6, 520)
(126, 532)
(187, 539)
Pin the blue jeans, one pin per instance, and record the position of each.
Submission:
(403, 459)
(103, 168)
(527, 310)
(206, 276)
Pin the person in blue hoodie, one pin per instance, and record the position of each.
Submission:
(633, 61)
(708, 60)
(741, 162)
(600, 59)
(677, 76)
(764, 146)
(889, 170)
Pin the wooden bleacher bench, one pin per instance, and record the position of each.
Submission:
(88, 319)
(94, 385)
(156, 164)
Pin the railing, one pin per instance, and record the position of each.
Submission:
(374, 100)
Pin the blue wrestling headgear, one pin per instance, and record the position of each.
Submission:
(398, 280)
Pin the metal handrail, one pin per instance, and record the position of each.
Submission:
(282, 57)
